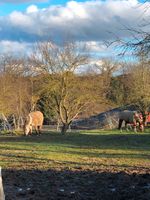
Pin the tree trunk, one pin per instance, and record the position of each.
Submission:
(14, 122)
(64, 128)
(58, 125)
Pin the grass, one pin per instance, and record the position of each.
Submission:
(81, 150)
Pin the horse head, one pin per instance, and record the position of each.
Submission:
(28, 125)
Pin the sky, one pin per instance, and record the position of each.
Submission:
(26, 22)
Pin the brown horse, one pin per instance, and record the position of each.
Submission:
(131, 117)
(34, 119)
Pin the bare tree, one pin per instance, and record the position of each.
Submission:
(68, 92)
(15, 88)
(106, 68)
(138, 41)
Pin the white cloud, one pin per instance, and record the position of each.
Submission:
(95, 46)
(77, 9)
(32, 9)
(86, 20)
(19, 20)
(89, 21)
(13, 47)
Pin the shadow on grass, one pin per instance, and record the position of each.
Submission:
(21, 161)
(34, 149)
(75, 185)
(101, 141)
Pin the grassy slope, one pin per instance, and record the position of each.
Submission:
(85, 150)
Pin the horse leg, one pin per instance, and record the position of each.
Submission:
(126, 127)
(120, 124)
(39, 129)
(30, 132)
(141, 127)
(135, 129)
(36, 130)
(134, 126)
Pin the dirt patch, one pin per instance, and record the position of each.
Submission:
(76, 185)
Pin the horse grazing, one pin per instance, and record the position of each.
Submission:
(34, 119)
(131, 117)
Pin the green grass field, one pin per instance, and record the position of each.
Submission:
(85, 150)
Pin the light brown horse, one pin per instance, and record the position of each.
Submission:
(34, 119)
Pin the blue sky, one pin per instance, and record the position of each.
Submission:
(10, 6)
(24, 22)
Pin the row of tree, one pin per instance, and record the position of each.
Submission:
(49, 81)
